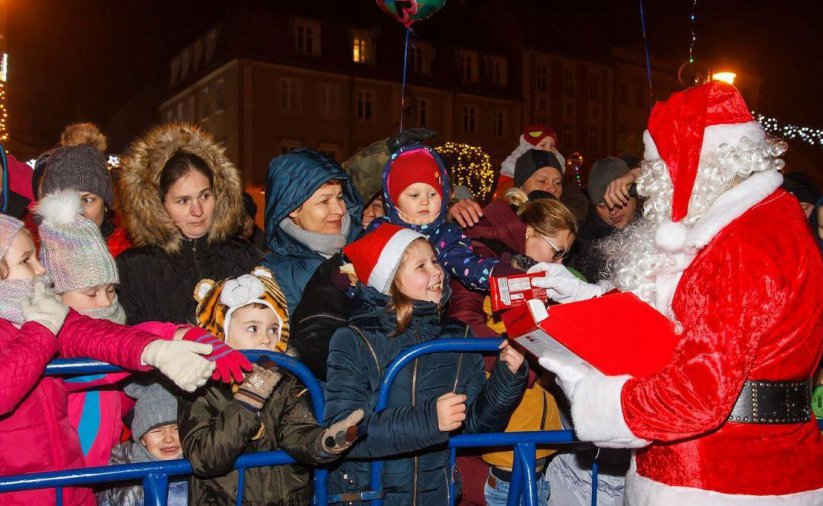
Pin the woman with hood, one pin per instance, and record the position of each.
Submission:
(312, 211)
(183, 204)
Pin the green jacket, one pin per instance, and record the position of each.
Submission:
(215, 430)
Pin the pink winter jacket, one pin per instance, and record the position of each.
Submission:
(35, 433)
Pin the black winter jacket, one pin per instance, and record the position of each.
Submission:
(215, 430)
(156, 286)
(406, 434)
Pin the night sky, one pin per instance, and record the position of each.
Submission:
(82, 59)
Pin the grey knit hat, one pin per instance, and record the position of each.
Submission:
(9, 226)
(71, 248)
(81, 168)
(604, 171)
(155, 406)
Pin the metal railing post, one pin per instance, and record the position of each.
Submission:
(155, 489)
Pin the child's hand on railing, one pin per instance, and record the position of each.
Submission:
(180, 361)
(451, 411)
(259, 385)
(341, 435)
(230, 364)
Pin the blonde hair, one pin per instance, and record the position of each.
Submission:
(399, 302)
(546, 216)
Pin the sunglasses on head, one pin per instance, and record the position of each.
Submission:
(559, 253)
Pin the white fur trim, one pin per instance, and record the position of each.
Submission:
(642, 491)
(389, 261)
(60, 208)
(670, 236)
(649, 147)
(597, 412)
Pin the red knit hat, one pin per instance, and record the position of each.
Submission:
(413, 166)
(533, 134)
(377, 256)
(689, 124)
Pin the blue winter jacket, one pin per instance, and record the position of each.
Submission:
(291, 180)
(406, 434)
(453, 248)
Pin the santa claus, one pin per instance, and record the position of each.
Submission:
(726, 255)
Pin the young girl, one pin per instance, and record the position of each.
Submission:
(416, 196)
(269, 411)
(34, 325)
(154, 438)
(403, 291)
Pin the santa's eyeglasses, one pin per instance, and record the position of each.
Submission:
(559, 253)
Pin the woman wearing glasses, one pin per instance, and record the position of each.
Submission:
(519, 231)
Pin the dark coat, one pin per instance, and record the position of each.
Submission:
(158, 286)
(406, 434)
(291, 180)
(215, 430)
(586, 257)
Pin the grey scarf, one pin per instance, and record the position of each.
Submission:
(113, 313)
(324, 244)
(12, 294)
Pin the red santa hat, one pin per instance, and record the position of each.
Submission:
(689, 124)
(377, 256)
(410, 167)
(533, 134)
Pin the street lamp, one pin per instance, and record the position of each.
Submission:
(726, 77)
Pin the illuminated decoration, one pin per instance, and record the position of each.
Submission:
(4, 114)
(468, 166)
(726, 77)
(575, 161)
(4, 67)
(811, 136)
(113, 162)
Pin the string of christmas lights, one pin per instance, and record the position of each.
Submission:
(4, 114)
(468, 166)
(813, 136)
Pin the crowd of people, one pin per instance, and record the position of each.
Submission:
(166, 275)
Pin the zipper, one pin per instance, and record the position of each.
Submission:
(457, 376)
(448, 492)
(196, 263)
(322, 315)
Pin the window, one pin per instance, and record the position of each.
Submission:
(423, 112)
(307, 37)
(289, 95)
(365, 105)
(541, 78)
(205, 103)
(287, 145)
(421, 58)
(467, 65)
(498, 123)
(469, 119)
(497, 71)
(594, 86)
(219, 95)
(362, 47)
(330, 149)
(329, 101)
(568, 82)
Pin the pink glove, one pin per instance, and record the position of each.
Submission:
(229, 363)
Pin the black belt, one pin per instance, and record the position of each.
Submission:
(773, 402)
(504, 475)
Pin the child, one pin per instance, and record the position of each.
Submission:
(34, 325)
(85, 275)
(403, 291)
(154, 438)
(268, 412)
(416, 196)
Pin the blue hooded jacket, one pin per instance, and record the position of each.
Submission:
(291, 181)
(453, 248)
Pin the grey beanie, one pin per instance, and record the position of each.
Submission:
(81, 168)
(604, 171)
(155, 406)
(531, 161)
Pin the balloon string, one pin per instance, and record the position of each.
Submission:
(646, 45)
(403, 84)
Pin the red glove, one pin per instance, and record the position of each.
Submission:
(229, 363)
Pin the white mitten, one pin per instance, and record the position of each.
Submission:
(45, 308)
(181, 361)
(567, 373)
(563, 286)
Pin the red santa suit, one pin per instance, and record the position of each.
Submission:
(746, 285)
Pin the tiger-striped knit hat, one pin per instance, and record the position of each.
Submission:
(217, 302)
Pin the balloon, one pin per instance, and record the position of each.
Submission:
(409, 11)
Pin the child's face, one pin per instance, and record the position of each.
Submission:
(93, 297)
(163, 442)
(21, 259)
(254, 328)
(420, 276)
(419, 204)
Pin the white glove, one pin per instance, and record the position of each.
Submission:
(567, 373)
(181, 361)
(45, 308)
(563, 286)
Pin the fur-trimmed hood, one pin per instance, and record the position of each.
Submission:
(146, 218)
